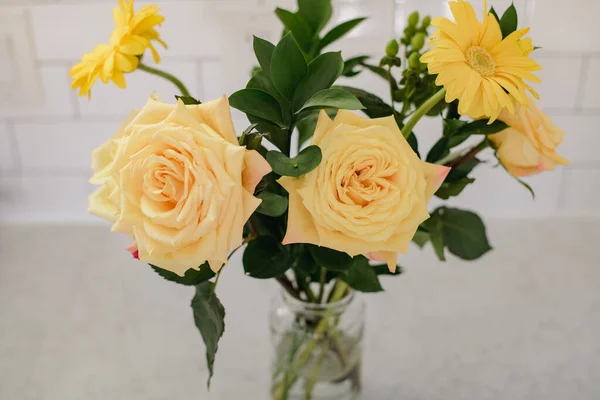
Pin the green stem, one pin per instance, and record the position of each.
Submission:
(389, 77)
(167, 76)
(310, 294)
(421, 111)
(322, 284)
(281, 391)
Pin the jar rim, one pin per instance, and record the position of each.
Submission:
(336, 307)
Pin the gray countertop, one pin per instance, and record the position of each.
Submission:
(80, 319)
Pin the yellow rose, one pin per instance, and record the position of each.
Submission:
(175, 178)
(528, 146)
(368, 195)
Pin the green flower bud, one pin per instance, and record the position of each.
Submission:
(413, 61)
(385, 61)
(418, 41)
(426, 21)
(409, 31)
(413, 18)
(392, 48)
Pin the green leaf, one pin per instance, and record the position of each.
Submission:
(338, 31)
(509, 21)
(263, 50)
(481, 127)
(306, 127)
(192, 276)
(421, 238)
(299, 28)
(462, 170)
(374, 107)
(275, 134)
(452, 126)
(187, 100)
(362, 277)
(526, 186)
(259, 103)
(265, 258)
(435, 227)
(437, 241)
(438, 151)
(272, 204)
(413, 143)
(451, 189)
(307, 160)
(331, 259)
(288, 66)
(383, 269)
(323, 71)
(316, 13)
(305, 262)
(209, 317)
(261, 81)
(493, 12)
(350, 65)
(333, 98)
(464, 233)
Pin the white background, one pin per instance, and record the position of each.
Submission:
(45, 141)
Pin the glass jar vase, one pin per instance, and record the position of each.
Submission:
(317, 348)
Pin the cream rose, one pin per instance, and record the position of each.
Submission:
(175, 178)
(368, 195)
(529, 145)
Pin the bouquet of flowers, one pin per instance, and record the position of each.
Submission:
(326, 211)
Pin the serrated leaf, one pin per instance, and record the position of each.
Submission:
(288, 66)
(297, 26)
(188, 100)
(322, 72)
(316, 13)
(263, 50)
(209, 317)
(332, 98)
(258, 103)
(362, 277)
(509, 21)
(338, 32)
(272, 204)
(190, 278)
(331, 259)
(265, 258)
(464, 233)
(307, 160)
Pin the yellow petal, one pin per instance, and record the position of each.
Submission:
(300, 227)
(217, 115)
(255, 167)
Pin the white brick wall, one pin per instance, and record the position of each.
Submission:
(44, 147)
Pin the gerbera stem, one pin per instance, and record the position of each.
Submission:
(167, 76)
(421, 111)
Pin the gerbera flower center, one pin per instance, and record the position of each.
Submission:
(481, 61)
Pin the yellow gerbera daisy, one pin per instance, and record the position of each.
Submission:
(133, 34)
(88, 70)
(476, 66)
